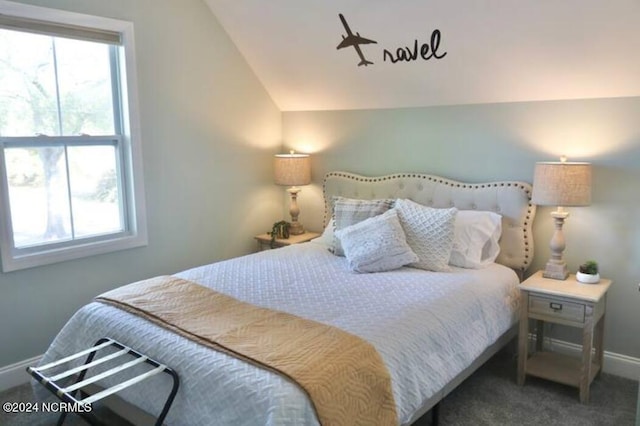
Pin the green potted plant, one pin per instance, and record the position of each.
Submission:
(280, 230)
(588, 272)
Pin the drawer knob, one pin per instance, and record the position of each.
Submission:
(555, 306)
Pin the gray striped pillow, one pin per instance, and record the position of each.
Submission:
(349, 211)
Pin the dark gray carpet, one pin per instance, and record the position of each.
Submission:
(490, 397)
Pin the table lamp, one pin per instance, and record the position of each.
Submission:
(561, 184)
(293, 170)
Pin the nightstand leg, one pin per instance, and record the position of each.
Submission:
(523, 338)
(587, 346)
(599, 344)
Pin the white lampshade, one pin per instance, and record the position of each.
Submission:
(292, 169)
(562, 184)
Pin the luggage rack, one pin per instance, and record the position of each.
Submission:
(68, 393)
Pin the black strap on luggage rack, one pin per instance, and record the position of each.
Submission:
(68, 393)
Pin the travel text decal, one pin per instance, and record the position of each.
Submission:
(425, 51)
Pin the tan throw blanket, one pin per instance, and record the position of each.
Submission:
(343, 375)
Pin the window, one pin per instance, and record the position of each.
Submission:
(69, 151)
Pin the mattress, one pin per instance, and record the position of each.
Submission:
(427, 327)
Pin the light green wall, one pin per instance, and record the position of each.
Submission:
(502, 142)
(209, 131)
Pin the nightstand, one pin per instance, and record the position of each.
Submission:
(567, 302)
(264, 240)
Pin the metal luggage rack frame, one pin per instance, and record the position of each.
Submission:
(68, 393)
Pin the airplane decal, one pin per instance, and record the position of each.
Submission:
(354, 40)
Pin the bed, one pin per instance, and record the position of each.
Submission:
(432, 329)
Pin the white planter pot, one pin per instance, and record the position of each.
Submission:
(587, 278)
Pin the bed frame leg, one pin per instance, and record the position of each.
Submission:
(435, 414)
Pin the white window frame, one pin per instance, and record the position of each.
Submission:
(128, 147)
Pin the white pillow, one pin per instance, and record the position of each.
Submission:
(476, 236)
(429, 233)
(326, 239)
(376, 244)
(349, 211)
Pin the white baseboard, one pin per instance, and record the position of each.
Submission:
(616, 364)
(16, 374)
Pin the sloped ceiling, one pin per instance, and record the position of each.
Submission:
(496, 50)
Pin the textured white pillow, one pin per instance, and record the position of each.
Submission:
(349, 211)
(376, 244)
(476, 236)
(429, 233)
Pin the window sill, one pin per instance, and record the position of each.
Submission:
(78, 251)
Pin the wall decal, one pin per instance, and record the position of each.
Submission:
(425, 51)
(355, 41)
(406, 54)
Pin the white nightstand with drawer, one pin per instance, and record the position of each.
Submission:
(571, 303)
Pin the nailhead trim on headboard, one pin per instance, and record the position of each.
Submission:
(516, 249)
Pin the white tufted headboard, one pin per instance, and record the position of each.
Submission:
(512, 200)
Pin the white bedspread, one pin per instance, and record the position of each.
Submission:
(427, 327)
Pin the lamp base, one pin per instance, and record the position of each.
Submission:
(296, 228)
(556, 267)
(556, 271)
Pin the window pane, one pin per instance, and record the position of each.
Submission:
(28, 103)
(95, 195)
(29, 95)
(38, 195)
(84, 79)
